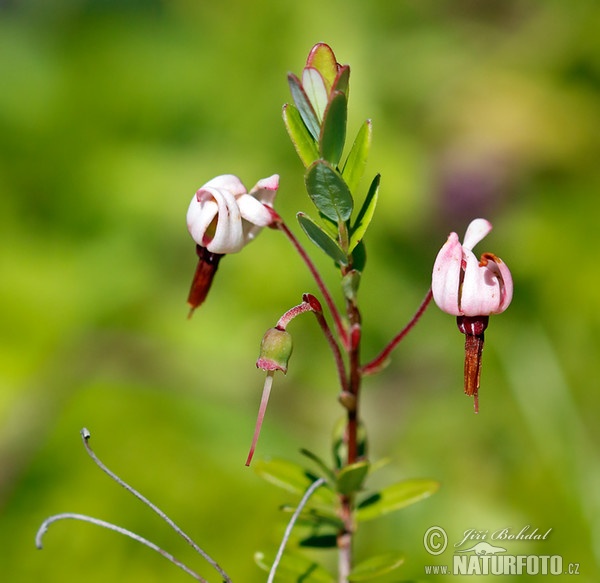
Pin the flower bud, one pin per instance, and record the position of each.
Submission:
(275, 350)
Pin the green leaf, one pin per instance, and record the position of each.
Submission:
(339, 448)
(395, 497)
(351, 477)
(350, 283)
(327, 471)
(359, 257)
(303, 142)
(333, 129)
(321, 239)
(378, 464)
(320, 541)
(316, 90)
(328, 191)
(293, 478)
(294, 568)
(319, 516)
(307, 113)
(284, 474)
(365, 214)
(322, 58)
(356, 161)
(342, 80)
(376, 566)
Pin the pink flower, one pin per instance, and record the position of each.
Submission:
(464, 286)
(223, 217)
(471, 290)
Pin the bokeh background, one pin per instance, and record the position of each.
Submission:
(112, 113)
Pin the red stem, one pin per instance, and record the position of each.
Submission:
(279, 224)
(339, 361)
(378, 362)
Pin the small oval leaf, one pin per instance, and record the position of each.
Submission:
(328, 191)
(309, 117)
(376, 566)
(395, 497)
(315, 89)
(303, 142)
(322, 58)
(333, 129)
(365, 214)
(354, 167)
(321, 239)
(351, 477)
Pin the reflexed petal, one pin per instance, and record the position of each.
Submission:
(254, 211)
(481, 291)
(476, 231)
(266, 189)
(502, 273)
(229, 237)
(445, 281)
(507, 288)
(199, 217)
(227, 182)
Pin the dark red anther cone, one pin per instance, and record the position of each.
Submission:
(208, 263)
(473, 329)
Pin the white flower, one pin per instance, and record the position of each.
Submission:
(223, 217)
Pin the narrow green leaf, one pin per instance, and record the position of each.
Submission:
(354, 167)
(395, 497)
(351, 477)
(328, 191)
(321, 239)
(378, 464)
(359, 257)
(316, 516)
(365, 214)
(309, 117)
(315, 89)
(339, 448)
(333, 128)
(284, 474)
(294, 568)
(327, 471)
(376, 566)
(342, 80)
(303, 142)
(320, 541)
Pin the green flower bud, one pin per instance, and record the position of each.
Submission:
(275, 350)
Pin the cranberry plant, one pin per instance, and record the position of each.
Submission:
(330, 498)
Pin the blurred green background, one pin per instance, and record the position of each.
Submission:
(112, 114)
